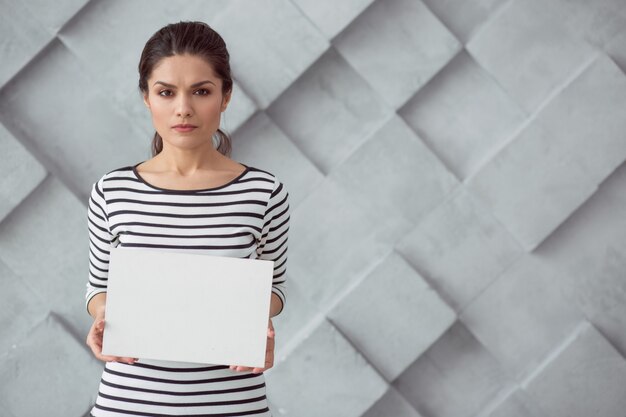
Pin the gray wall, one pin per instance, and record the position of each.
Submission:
(458, 240)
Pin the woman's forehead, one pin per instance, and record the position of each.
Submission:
(183, 69)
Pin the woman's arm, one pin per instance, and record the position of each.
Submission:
(273, 247)
(96, 308)
(100, 243)
(276, 305)
(96, 305)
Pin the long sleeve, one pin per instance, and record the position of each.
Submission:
(273, 242)
(100, 242)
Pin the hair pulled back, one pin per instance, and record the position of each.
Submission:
(194, 38)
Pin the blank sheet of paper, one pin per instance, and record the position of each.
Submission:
(188, 307)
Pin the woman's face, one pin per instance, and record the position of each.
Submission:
(183, 89)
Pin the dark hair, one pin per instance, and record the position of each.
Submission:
(194, 38)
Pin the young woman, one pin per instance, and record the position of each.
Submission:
(190, 196)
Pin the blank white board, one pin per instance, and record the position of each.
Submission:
(188, 307)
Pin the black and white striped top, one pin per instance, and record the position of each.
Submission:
(246, 218)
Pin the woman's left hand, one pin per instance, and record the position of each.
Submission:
(269, 353)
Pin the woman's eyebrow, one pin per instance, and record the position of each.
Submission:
(192, 85)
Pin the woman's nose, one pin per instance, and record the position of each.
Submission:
(183, 106)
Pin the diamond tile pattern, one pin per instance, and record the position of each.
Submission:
(20, 308)
(456, 376)
(518, 404)
(412, 304)
(332, 17)
(458, 238)
(422, 47)
(531, 319)
(463, 115)
(277, 45)
(461, 247)
(584, 374)
(22, 37)
(410, 181)
(546, 56)
(20, 172)
(352, 389)
(69, 381)
(329, 111)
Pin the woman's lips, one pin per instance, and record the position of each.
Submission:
(184, 129)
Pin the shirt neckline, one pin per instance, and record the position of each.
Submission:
(170, 190)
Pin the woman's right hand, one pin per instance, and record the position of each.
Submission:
(94, 341)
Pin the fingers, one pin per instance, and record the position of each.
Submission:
(97, 352)
(94, 341)
(241, 368)
(269, 354)
(129, 361)
(94, 337)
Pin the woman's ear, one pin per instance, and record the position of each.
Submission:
(226, 100)
(145, 100)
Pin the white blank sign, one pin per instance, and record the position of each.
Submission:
(188, 307)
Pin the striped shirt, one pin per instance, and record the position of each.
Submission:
(246, 218)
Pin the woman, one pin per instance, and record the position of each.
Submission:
(190, 196)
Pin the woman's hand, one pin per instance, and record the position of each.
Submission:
(269, 353)
(94, 341)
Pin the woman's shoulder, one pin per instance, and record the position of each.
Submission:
(258, 171)
(123, 169)
(267, 175)
(113, 174)
(117, 172)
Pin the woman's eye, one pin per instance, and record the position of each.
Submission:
(164, 91)
(203, 91)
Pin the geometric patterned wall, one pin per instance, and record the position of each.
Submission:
(456, 172)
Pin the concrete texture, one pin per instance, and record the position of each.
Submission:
(585, 377)
(406, 321)
(65, 386)
(325, 366)
(422, 47)
(461, 247)
(20, 173)
(445, 115)
(329, 111)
